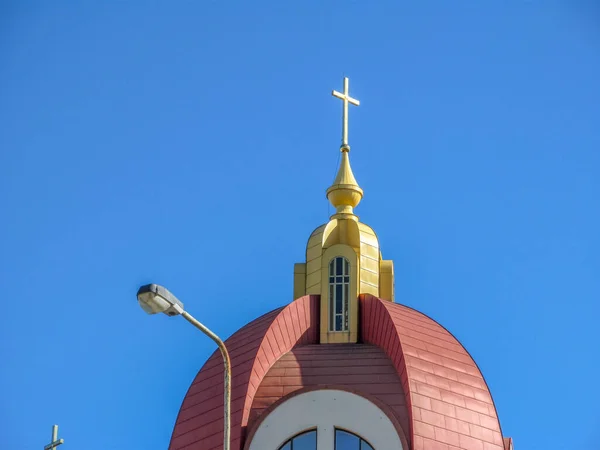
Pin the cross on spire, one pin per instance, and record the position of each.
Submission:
(55, 441)
(346, 99)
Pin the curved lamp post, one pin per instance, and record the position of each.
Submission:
(156, 299)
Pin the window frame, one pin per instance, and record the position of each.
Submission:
(339, 286)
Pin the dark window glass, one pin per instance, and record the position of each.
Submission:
(339, 286)
(349, 441)
(338, 323)
(365, 446)
(304, 441)
(346, 306)
(346, 441)
(331, 308)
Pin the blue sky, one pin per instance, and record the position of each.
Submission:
(191, 143)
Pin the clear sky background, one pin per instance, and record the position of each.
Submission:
(190, 144)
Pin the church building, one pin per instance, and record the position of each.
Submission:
(342, 365)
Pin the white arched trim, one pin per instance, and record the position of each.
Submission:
(326, 410)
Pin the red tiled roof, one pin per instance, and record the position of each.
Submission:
(253, 350)
(437, 395)
(448, 399)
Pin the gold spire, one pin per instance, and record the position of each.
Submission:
(344, 194)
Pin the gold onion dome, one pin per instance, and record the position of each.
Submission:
(345, 193)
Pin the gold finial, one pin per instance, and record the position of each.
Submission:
(344, 194)
(346, 99)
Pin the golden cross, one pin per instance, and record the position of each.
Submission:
(346, 99)
(55, 441)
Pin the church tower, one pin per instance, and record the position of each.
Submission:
(343, 259)
(342, 366)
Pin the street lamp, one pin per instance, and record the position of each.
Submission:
(156, 299)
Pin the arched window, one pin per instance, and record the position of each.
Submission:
(345, 421)
(339, 285)
(344, 440)
(303, 441)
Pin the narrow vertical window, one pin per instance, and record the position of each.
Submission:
(339, 289)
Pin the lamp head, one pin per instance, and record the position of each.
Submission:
(156, 299)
